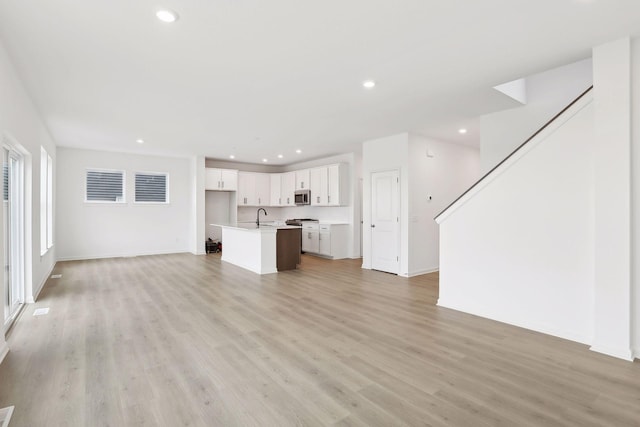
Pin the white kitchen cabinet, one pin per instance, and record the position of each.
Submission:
(253, 189)
(302, 179)
(263, 189)
(325, 243)
(328, 240)
(329, 185)
(288, 188)
(310, 238)
(318, 186)
(221, 179)
(276, 190)
(337, 185)
(282, 189)
(246, 189)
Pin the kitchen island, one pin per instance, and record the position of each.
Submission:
(264, 250)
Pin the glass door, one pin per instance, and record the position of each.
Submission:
(12, 205)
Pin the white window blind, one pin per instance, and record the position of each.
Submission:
(105, 186)
(5, 181)
(151, 187)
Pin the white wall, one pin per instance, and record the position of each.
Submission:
(384, 154)
(217, 210)
(547, 94)
(519, 248)
(635, 209)
(612, 198)
(96, 230)
(198, 225)
(21, 123)
(444, 175)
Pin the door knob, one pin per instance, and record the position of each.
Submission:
(373, 226)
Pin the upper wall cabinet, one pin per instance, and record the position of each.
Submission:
(302, 179)
(329, 185)
(221, 179)
(253, 189)
(276, 189)
(288, 188)
(283, 188)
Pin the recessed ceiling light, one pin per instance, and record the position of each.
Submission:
(298, 151)
(280, 156)
(232, 156)
(462, 131)
(369, 84)
(140, 141)
(265, 160)
(166, 15)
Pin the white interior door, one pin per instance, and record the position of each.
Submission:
(385, 221)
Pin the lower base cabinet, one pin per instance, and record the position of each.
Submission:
(328, 240)
(310, 240)
(287, 249)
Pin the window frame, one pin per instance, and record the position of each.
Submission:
(46, 201)
(166, 189)
(106, 202)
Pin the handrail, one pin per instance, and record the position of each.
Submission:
(515, 151)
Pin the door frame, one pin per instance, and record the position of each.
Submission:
(398, 223)
(16, 251)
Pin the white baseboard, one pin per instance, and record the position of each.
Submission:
(33, 298)
(4, 350)
(620, 353)
(421, 272)
(488, 314)
(636, 353)
(82, 258)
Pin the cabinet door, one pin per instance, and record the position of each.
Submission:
(315, 185)
(212, 179)
(263, 189)
(246, 189)
(324, 243)
(276, 190)
(229, 179)
(333, 185)
(302, 179)
(310, 241)
(288, 188)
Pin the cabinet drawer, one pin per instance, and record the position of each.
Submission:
(325, 227)
(309, 226)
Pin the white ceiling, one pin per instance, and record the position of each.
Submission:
(257, 78)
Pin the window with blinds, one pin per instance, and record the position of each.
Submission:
(151, 187)
(105, 186)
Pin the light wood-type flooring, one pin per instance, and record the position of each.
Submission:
(183, 340)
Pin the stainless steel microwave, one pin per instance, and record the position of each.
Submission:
(302, 197)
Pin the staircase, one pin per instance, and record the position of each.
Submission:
(517, 246)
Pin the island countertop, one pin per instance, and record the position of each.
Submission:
(251, 226)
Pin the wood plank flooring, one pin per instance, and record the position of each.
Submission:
(183, 340)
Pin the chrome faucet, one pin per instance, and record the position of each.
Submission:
(258, 216)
